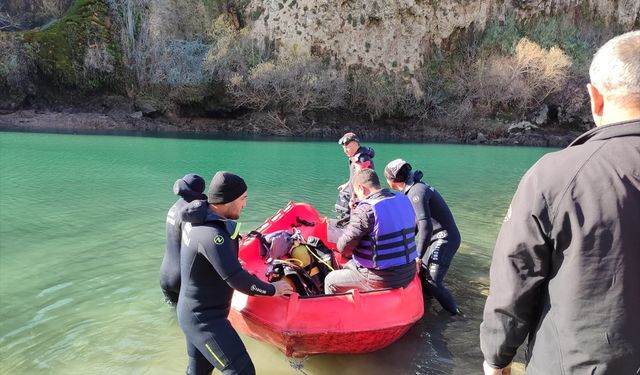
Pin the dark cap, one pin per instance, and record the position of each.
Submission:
(225, 187)
(349, 137)
(397, 170)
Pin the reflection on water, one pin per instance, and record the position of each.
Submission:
(82, 238)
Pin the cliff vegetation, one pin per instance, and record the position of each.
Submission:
(286, 66)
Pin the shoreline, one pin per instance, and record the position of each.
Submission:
(120, 121)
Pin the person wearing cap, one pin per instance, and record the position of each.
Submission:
(437, 237)
(380, 238)
(360, 157)
(210, 272)
(188, 188)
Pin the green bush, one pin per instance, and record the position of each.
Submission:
(78, 50)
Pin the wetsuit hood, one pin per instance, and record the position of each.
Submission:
(414, 178)
(198, 212)
(363, 150)
(190, 187)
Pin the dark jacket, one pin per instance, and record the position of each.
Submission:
(566, 266)
(432, 216)
(210, 266)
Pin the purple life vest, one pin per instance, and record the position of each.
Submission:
(392, 241)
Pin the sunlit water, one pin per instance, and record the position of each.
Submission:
(82, 237)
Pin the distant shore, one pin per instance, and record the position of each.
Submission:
(118, 121)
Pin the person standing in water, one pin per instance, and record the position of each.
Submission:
(189, 188)
(210, 272)
(437, 238)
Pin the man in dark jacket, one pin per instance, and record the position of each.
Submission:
(437, 235)
(380, 237)
(360, 157)
(566, 266)
(189, 188)
(210, 273)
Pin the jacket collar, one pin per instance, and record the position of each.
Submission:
(618, 129)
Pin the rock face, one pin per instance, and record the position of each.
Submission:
(398, 35)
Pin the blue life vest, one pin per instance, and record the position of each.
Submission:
(392, 241)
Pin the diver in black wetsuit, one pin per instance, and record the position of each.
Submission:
(437, 237)
(189, 188)
(210, 272)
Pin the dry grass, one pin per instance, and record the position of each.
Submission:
(521, 81)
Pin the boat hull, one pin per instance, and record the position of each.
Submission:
(353, 322)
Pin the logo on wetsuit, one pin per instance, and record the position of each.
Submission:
(256, 289)
(218, 240)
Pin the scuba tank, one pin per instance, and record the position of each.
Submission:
(306, 266)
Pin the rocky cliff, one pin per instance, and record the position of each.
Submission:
(404, 59)
(400, 35)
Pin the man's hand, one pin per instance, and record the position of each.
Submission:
(353, 201)
(488, 370)
(343, 186)
(282, 288)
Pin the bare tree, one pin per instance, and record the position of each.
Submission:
(8, 23)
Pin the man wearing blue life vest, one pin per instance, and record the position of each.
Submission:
(210, 272)
(189, 188)
(437, 238)
(380, 237)
(360, 157)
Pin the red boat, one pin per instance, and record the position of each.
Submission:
(353, 322)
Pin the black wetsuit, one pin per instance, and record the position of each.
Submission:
(437, 238)
(210, 272)
(170, 268)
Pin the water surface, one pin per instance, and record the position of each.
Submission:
(82, 237)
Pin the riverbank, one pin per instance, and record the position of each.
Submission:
(126, 120)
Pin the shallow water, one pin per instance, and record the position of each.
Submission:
(82, 238)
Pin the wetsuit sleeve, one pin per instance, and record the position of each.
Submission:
(519, 270)
(360, 224)
(420, 200)
(223, 258)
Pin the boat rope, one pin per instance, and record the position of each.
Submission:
(298, 364)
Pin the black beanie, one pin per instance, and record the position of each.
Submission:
(225, 187)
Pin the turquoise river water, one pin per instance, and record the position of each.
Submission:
(82, 237)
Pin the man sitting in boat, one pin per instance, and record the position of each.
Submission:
(360, 157)
(380, 237)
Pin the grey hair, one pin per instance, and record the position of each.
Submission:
(615, 69)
